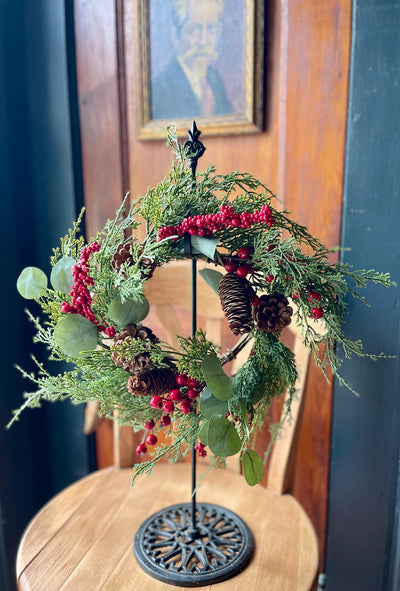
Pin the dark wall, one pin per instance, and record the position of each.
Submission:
(39, 184)
(366, 429)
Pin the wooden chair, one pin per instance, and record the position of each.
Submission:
(82, 539)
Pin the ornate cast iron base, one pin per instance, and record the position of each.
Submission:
(168, 549)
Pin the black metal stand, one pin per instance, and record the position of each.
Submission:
(193, 544)
(165, 548)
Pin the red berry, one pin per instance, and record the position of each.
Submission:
(317, 313)
(168, 406)
(314, 296)
(243, 252)
(151, 439)
(192, 383)
(201, 450)
(156, 402)
(95, 246)
(186, 407)
(175, 395)
(181, 379)
(296, 296)
(65, 307)
(110, 331)
(242, 271)
(149, 425)
(192, 393)
(235, 221)
(255, 300)
(165, 421)
(269, 278)
(141, 449)
(230, 267)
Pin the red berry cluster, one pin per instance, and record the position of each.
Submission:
(201, 450)
(205, 225)
(243, 269)
(313, 297)
(81, 298)
(189, 390)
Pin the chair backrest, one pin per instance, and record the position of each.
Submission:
(283, 456)
(169, 294)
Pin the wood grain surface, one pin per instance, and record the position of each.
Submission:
(82, 539)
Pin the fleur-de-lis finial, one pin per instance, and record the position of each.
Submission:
(193, 147)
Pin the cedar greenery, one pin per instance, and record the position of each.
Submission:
(284, 257)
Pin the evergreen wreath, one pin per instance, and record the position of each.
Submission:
(96, 306)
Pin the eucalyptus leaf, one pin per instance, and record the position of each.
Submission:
(211, 277)
(223, 439)
(201, 245)
(215, 377)
(75, 333)
(252, 467)
(61, 275)
(31, 283)
(203, 433)
(210, 405)
(128, 312)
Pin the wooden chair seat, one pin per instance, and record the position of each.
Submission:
(82, 539)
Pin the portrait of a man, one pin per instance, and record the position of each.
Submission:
(189, 61)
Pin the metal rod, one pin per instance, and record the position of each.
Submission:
(194, 328)
(195, 149)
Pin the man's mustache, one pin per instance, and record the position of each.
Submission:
(201, 51)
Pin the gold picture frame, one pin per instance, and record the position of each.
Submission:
(233, 53)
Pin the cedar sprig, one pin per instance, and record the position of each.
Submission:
(159, 352)
(192, 352)
(72, 243)
(184, 437)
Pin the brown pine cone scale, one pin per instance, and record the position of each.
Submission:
(139, 362)
(273, 313)
(151, 383)
(123, 254)
(235, 294)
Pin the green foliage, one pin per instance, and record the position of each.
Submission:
(31, 283)
(210, 405)
(223, 439)
(127, 312)
(215, 377)
(71, 244)
(284, 258)
(252, 467)
(61, 275)
(75, 334)
(192, 352)
(212, 277)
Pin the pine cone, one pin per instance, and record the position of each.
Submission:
(273, 313)
(123, 254)
(151, 383)
(235, 294)
(140, 362)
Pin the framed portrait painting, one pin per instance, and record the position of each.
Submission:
(202, 60)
